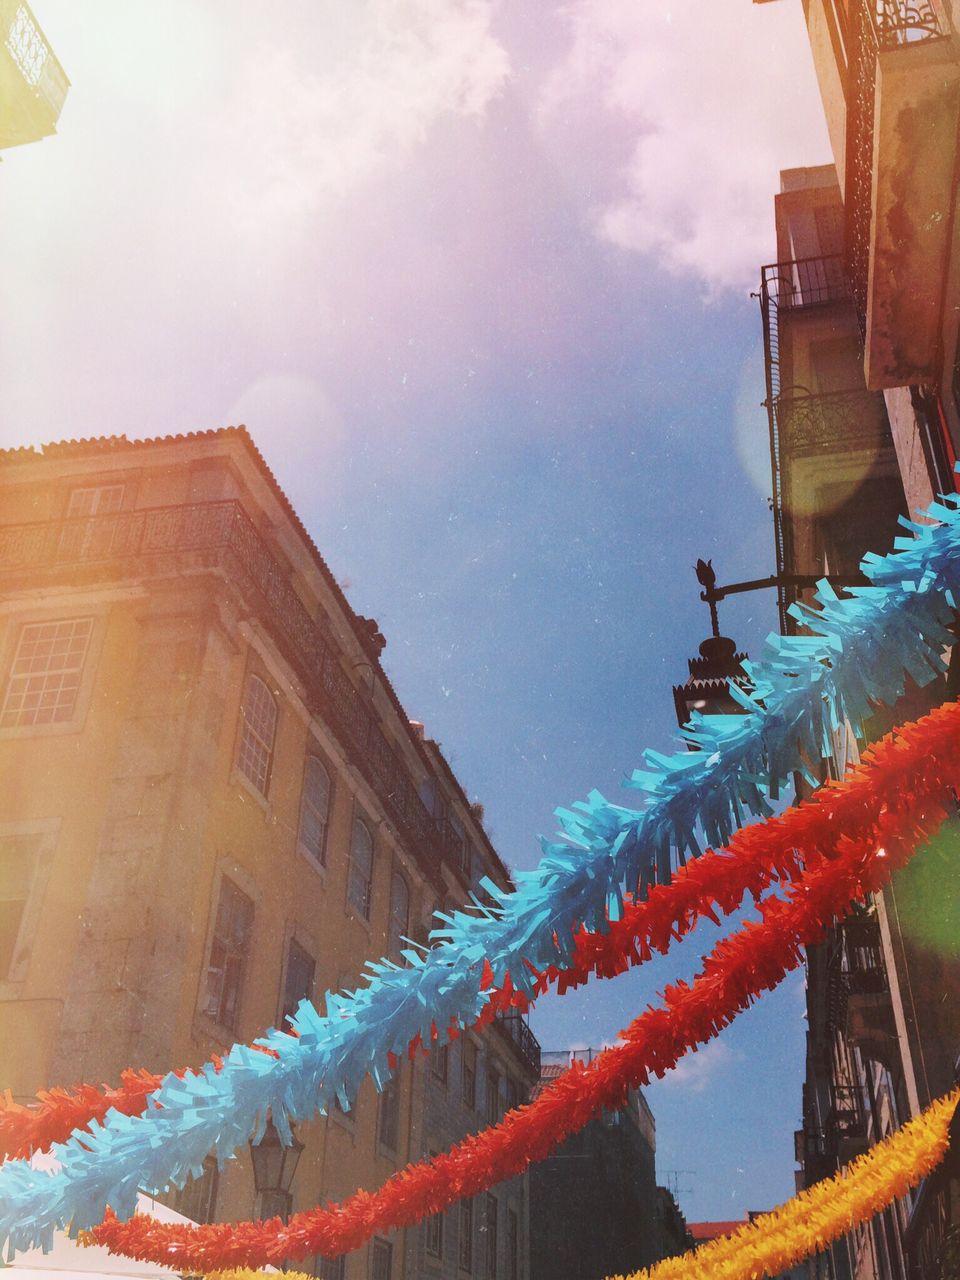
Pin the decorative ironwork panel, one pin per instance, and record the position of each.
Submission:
(876, 25)
(832, 422)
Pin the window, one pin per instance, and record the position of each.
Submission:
(433, 1230)
(198, 1199)
(360, 876)
(98, 500)
(491, 1225)
(465, 1251)
(18, 864)
(388, 1120)
(458, 841)
(440, 1061)
(381, 1259)
(513, 1245)
(468, 1083)
(258, 728)
(228, 952)
(329, 1268)
(516, 1093)
(45, 675)
(399, 916)
(297, 980)
(493, 1095)
(314, 810)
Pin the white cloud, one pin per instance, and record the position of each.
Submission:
(697, 1072)
(401, 64)
(719, 99)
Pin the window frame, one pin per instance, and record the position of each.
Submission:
(380, 1249)
(433, 1227)
(465, 1237)
(491, 1222)
(398, 930)
(364, 907)
(284, 1014)
(20, 628)
(317, 858)
(247, 732)
(45, 832)
(492, 1101)
(468, 1049)
(388, 1115)
(242, 950)
(513, 1244)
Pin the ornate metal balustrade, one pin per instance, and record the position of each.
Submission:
(789, 289)
(835, 421)
(525, 1042)
(147, 536)
(35, 60)
(875, 25)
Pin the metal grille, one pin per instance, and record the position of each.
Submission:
(27, 46)
(876, 25)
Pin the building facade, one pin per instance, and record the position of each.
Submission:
(860, 318)
(214, 804)
(594, 1202)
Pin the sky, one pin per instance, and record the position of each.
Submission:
(476, 276)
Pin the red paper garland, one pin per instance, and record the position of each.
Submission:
(907, 789)
(713, 881)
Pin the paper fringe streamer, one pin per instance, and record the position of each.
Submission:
(804, 1225)
(824, 1212)
(854, 656)
(753, 959)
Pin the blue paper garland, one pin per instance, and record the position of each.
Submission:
(853, 659)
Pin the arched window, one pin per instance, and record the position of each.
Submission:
(399, 916)
(314, 810)
(360, 880)
(258, 729)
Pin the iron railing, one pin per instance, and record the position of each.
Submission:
(876, 25)
(835, 420)
(224, 527)
(524, 1041)
(29, 49)
(788, 289)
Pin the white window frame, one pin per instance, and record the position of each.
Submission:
(257, 739)
(318, 857)
(360, 900)
(100, 504)
(46, 831)
(30, 630)
(398, 926)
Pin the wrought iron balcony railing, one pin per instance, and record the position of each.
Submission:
(524, 1041)
(788, 289)
(835, 421)
(36, 62)
(875, 25)
(133, 541)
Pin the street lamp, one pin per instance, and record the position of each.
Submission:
(274, 1165)
(707, 688)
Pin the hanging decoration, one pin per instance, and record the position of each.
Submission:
(824, 1212)
(805, 1225)
(854, 655)
(751, 960)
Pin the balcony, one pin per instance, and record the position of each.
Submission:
(524, 1043)
(791, 293)
(903, 106)
(33, 84)
(162, 541)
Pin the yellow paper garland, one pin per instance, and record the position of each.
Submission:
(804, 1225)
(824, 1212)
